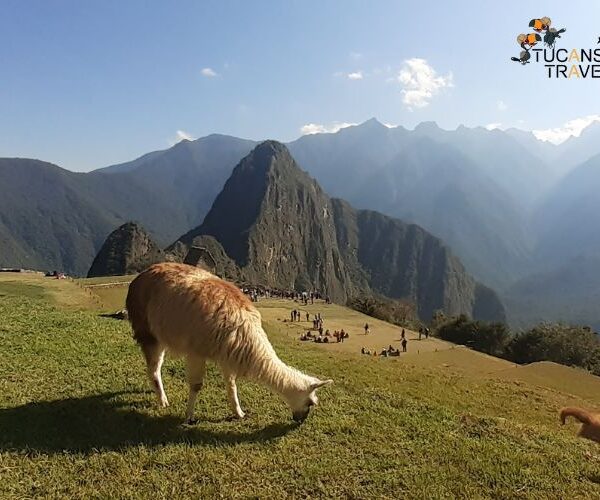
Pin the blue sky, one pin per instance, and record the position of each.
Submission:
(89, 84)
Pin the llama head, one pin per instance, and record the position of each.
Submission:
(301, 401)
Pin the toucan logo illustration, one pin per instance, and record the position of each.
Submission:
(530, 40)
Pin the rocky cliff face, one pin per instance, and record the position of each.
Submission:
(127, 250)
(282, 230)
(277, 224)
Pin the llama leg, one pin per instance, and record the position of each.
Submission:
(233, 396)
(195, 371)
(155, 355)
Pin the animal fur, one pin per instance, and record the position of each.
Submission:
(590, 428)
(192, 313)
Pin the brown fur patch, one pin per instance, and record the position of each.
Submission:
(590, 428)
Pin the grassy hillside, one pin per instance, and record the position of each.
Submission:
(77, 419)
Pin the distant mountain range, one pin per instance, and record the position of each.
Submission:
(273, 225)
(507, 204)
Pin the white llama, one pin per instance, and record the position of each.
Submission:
(190, 312)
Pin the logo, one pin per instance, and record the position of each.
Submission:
(558, 62)
(527, 42)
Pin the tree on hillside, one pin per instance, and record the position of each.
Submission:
(398, 312)
(490, 338)
(568, 345)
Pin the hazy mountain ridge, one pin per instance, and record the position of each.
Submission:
(502, 200)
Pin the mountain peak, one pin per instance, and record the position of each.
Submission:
(127, 250)
(263, 158)
(427, 126)
(371, 124)
(270, 146)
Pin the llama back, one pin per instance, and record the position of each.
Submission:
(191, 311)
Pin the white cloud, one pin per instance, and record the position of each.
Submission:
(180, 136)
(501, 105)
(493, 126)
(356, 75)
(355, 55)
(390, 125)
(318, 128)
(209, 72)
(569, 129)
(420, 82)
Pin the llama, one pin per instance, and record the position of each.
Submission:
(591, 423)
(192, 313)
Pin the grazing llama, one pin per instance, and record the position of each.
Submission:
(591, 423)
(192, 313)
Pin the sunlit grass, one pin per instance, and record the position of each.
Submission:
(77, 420)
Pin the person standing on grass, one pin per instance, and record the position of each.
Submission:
(367, 328)
(404, 342)
(307, 316)
(403, 336)
(420, 332)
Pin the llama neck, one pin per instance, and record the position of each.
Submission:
(263, 364)
(278, 376)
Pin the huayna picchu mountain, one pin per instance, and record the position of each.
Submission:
(127, 250)
(281, 229)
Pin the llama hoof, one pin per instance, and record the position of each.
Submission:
(237, 416)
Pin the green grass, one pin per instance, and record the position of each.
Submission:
(19, 289)
(112, 298)
(77, 420)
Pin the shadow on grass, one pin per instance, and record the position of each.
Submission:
(109, 423)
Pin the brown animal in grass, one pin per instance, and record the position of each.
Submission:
(590, 428)
(192, 313)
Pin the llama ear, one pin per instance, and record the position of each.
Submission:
(319, 384)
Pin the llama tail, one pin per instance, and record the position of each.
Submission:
(580, 414)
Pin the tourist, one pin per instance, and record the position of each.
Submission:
(367, 328)
(404, 342)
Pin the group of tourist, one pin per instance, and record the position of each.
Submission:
(325, 337)
(386, 351)
(257, 292)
